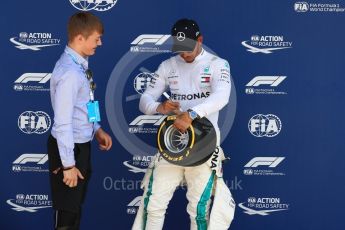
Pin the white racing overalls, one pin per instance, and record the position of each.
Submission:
(203, 86)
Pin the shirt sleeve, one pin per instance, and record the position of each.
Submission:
(96, 126)
(148, 102)
(65, 99)
(220, 90)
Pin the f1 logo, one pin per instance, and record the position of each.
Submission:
(271, 162)
(157, 39)
(148, 119)
(266, 80)
(31, 157)
(135, 202)
(37, 77)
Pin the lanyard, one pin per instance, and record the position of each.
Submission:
(88, 75)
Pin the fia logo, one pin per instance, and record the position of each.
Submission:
(261, 125)
(132, 207)
(32, 82)
(30, 162)
(30, 122)
(301, 7)
(34, 41)
(255, 38)
(150, 43)
(250, 91)
(142, 80)
(98, 5)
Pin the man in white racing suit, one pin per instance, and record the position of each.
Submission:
(200, 85)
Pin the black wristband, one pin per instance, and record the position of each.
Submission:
(67, 168)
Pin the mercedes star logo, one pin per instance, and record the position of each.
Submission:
(180, 36)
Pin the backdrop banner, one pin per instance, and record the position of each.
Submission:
(283, 128)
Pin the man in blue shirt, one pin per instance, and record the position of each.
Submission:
(71, 91)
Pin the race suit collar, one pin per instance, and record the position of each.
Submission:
(201, 55)
(197, 58)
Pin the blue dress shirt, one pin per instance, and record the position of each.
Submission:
(70, 92)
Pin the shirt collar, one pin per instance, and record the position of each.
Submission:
(78, 58)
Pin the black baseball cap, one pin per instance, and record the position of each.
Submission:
(185, 33)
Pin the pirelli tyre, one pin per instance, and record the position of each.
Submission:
(191, 148)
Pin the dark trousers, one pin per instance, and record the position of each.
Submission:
(68, 201)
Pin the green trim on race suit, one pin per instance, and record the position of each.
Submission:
(147, 198)
(202, 204)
